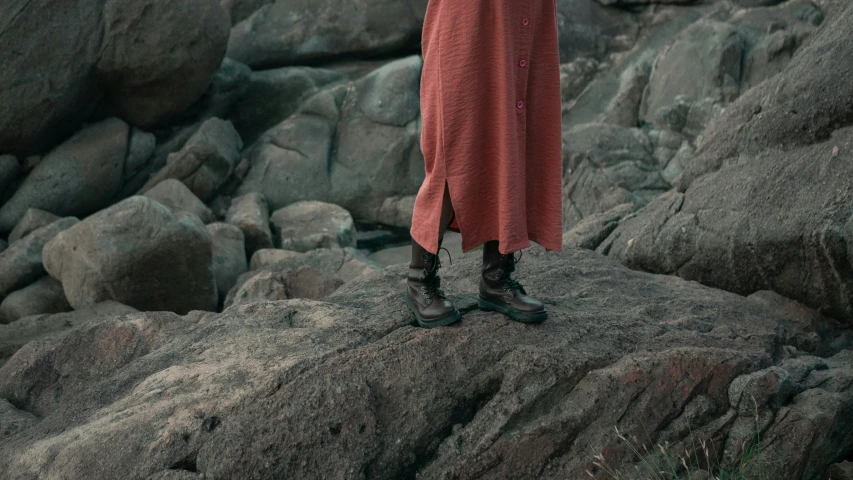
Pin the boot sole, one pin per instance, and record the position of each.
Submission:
(448, 319)
(518, 316)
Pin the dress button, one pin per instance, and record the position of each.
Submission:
(520, 104)
(525, 21)
(522, 63)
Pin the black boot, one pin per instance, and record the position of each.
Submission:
(424, 296)
(501, 293)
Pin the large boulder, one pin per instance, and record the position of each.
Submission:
(177, 196)
(288, 31)
(144, 62)
(251, 214)
(229, 255)
(81, 176)
(42, 296)
(801, 105)
(349, 388)
(9, 170)
(139, 253)
(307, 225)
(779, 220)
(21, 263)
(206, 160)
(32, 219)
(353, 144)
(605, 166)
(37, 327)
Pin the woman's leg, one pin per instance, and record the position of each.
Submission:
(499, 291)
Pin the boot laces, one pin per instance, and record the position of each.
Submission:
(508, 263)
(432, 281)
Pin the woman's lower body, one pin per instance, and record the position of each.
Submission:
(491, 139)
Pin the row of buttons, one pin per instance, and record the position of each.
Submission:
(522, 63)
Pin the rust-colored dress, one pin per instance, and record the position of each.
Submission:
(490, 103)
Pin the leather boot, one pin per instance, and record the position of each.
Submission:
(424, 296)
(501, 293)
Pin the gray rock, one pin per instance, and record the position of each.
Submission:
(347, 263)
(206, 160)
(306, 389)
(149, 86)
(229, 255)
(42, 296)
(328, 28)
(397, 211)
(32, 219)
(265, 285)
(270, 96)
(593, 229)
(801, 105)
(776, 221)
(14, 421)
(251, 214)
(21, 263)
(3, 245)
(703, 63)
(345, 145)
(107, 257)
(590, 30)
(144, 62)
(39, 327)
(78, 178)
(307, 225)
(839, 471)
(605, 166)
(9, 171)
(175, 195)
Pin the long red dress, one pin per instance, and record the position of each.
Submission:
(490, 104)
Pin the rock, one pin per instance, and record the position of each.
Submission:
(800, 106)
(14, 421)
(166, 63)
(277, 266)
(139, 253)
(251, 214)
(304, 282)
(703, 63)
(575, 76)
(206, 160)
(240, 9)
(306, 389)
(32, 219)
(145, 63)
(42, 296)
(9, 171)
(21, 263)
(590, 30)
(839, 471)
(327, 29)
(175, 195)
(3, 245)
(605, 166)
(38, 327)
(353, 144)
(592, 230)
(340, 261)
(78, 178)
(397, 211)
(779, 220)
(229, 255)
(307, 225)
(624, 107)
(270, 96)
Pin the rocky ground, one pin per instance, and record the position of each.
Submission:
(204, 209)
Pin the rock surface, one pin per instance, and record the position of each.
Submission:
(229, 255)
(21, 263)
(206, 160)
(147, 62)
(307, 225)
(139, 253)
(32, 219)
(348, 388)
(42, 296)
(251, 214)
(79, 177)
(175, 195)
